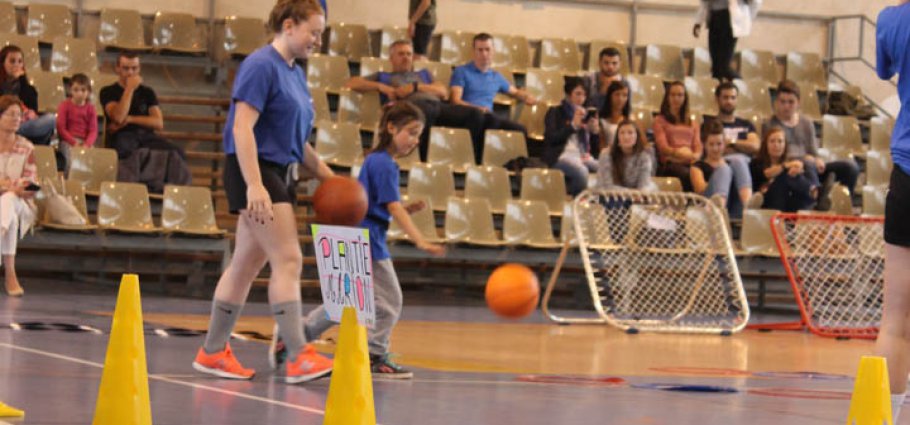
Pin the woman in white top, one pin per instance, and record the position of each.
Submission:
(726, 20)
(17, 176)
(616, 109)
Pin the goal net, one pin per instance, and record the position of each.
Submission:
(836, 268)
(655, 261)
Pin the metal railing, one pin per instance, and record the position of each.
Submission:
(834, 57)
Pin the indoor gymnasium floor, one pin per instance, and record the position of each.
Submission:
(470, 368)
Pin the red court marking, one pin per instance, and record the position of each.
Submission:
(801, 393)
(572, 380)
(703, 371)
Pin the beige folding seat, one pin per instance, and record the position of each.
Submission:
(424, 220)
(701, 63)
(189, 210)
(532, 117)
(880, 129)
(756, 236)
(758, 65)
(841, 204)
(667, 184)
(489, 182)
(501, 146)
(177, 32)
(502, 98)
(470, 221)
(456, 47)
(502, 53)
(878, 168)
(561, 55)
(754, 97)
(100, 80)
(391, 34)
(71, 55)
(349, 40)
(46, 161)
(598, 45)
(76, 194)
(8, 18)
(328, 72)
(91, 167)
(48, 21)
(441, 72)
(243, 36)
(527, 223)
(363, 109)
(643, 116)
(663, 61)
(806, 68)
(542, 184)
(321, 105)
(124, 207)
(519, 52)
(874, 200)
(808, 103)
(50, 90)
(841, 136)
(701, 94)
(339, 143)
(29, 46)
(122, 29)
(370, 65)
(431, 181)
(546, 86)
(647, 91)
(452, 147)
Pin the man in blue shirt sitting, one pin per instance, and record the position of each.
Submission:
(476, 83)
(418, 87)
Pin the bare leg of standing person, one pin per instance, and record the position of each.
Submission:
(893, 341)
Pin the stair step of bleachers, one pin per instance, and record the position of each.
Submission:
(198, 101)
(192, 136)
(217, 119)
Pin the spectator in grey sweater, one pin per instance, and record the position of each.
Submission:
(627, 163)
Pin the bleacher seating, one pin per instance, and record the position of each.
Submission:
(49, 21)
(122, 29)
(177, 32)
(243, 36)
(71, 55)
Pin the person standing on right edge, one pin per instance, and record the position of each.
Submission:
(421, 23)
(265, 139)
(726, 20)
(892, 38)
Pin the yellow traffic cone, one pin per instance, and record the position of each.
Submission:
(871, 402)
(7, 411)
(123, 398)
(350, 399)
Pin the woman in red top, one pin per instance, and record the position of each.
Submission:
(676, 136)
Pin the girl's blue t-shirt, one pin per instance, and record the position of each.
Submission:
(380, 178)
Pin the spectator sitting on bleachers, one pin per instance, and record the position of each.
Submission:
(133, 116)
(572, 137)
(783, 179)
(742, 143)
(77, 121)
(628, 162)
(17, 172)
(599, 82)
(476, 84)
(801, 143)
(617, 107)
(711, 175)
(676, 136)
(418, 87)
(13, 81)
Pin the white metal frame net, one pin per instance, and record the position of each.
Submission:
(655, 261)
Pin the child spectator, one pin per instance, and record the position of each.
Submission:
(77, 121)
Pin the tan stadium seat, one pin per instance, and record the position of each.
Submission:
(50, 90)
(456, 47)
(806, 68)
(874, 199)
(328, 72)
(878, 168)
(48, 21)
(561, 55)
(71, 55)
(527, 223)
(423, 220)
(880, 129)
(501, 146)
(645, 117)
(363, 109)
(349, 40)
(532, 117)
(433, 182)
(489, 182)
(663, 61)
(841, 204)
(667, 184)
(92, 166)
(391, 34)
(519, 52)
(470, 221)
(598, 45)
(177, 32)
(76, 194)
(754, 96)
(701, 63)
(8, 18)
(442, 73)
(243, 36)
(758, 65)
(452, 147)
(100, 80)
(502, 98)
(189, 210)
(647, 91)
(125, 207)
(321, 105)
(502, 53)
(369, 65)
(29, 46)
(701, 94)
(756, 236)
(542, 184)
(46, 161)
(841, 136)
(546, 86)
(339, 143)
(809, 104)
(122, 29)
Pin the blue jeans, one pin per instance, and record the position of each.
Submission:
(40, 129)
(576, 173)
(720, 181)
(742, 178)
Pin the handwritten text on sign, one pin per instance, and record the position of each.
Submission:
(345, 271)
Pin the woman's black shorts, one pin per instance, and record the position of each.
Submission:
(275, 177)
(897, 209)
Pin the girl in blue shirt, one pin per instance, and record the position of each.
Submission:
(265, 136)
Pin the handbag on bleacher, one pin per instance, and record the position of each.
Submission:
(60, 209)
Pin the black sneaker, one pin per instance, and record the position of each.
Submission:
(383, 366)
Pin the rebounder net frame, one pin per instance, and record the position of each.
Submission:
(654, 261)
(835, 265)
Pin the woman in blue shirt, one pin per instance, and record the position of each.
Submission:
(892, 37)
(265, 137)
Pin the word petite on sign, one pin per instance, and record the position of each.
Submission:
(345, 271)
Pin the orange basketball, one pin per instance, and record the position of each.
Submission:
(512, 291)
(340, 201)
